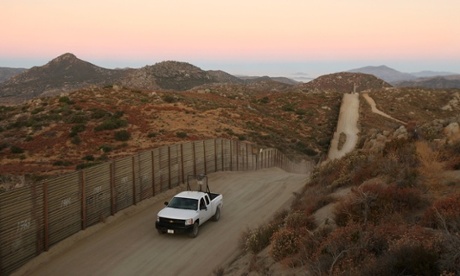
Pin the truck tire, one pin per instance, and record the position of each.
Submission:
(160, 232)
(194, 231)
(216, 216)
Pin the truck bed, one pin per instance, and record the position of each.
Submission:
(212, 195)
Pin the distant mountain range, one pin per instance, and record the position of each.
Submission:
(426, 79)
(67, 73)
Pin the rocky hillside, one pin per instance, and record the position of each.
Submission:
(63, 74)
(345, 82)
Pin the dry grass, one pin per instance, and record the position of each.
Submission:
(430, 169)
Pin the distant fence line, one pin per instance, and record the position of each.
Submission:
(36, 217)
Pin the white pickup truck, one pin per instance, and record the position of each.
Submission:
(187, 210)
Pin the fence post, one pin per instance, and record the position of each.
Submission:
(153, 172)
(237, 155)
(222, 153)
(215, 155)
(231, 155)
(204, 156)
(169, 167)
(112, 190)
(194, 158)
(182, 162)
(134, 179)
(46, 217)
(83, 200)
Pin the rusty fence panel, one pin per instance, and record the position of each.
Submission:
(21, 227)
(188, 160)
(124, 185)
(63, 208)
(97, 192)
(164, 169)
(210, 156)
(175, 166)
(144, 175)
(156, 171)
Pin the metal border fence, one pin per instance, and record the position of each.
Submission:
(36, 217)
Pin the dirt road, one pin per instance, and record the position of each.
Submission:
(347, 125)
(132, 246)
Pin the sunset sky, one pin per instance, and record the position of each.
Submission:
(269, 37)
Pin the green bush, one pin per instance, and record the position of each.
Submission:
(88, 158)
(169, 99)
(122, 135)
(78, 128)
(99, 113)
(181, 134)
(75, 140)
(110, 124)
(61, 163)
(106, 148)
(66, 100)
(86, 165)
(76, 118)
(16, 150)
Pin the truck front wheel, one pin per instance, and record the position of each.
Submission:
(194, 232)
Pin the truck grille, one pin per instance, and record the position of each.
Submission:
(172, 222)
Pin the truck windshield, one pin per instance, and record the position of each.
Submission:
(183, 203)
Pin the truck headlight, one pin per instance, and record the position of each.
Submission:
(158, 219)
(188, 221)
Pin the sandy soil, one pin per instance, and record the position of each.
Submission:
(128, 243)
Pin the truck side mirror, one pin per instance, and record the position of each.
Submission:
(166, 203)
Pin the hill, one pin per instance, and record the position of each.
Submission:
(63, 74)
(6, 73)
(345, 82)
(384, 72)
(439, 82)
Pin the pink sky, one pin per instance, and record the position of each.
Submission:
(135, 33)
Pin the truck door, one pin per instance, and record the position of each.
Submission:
(205, 210)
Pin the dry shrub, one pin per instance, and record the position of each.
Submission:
(334, 253)
(451, 155)
(449, 260)
(312, 200)
(284, 243)
(375, 201)
(391, 248)
(414, 252)
(257, 239)
(299, 221)
(430, 167)
(444, 214)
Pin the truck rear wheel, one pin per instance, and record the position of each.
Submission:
(216, 216)
(194, 232)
